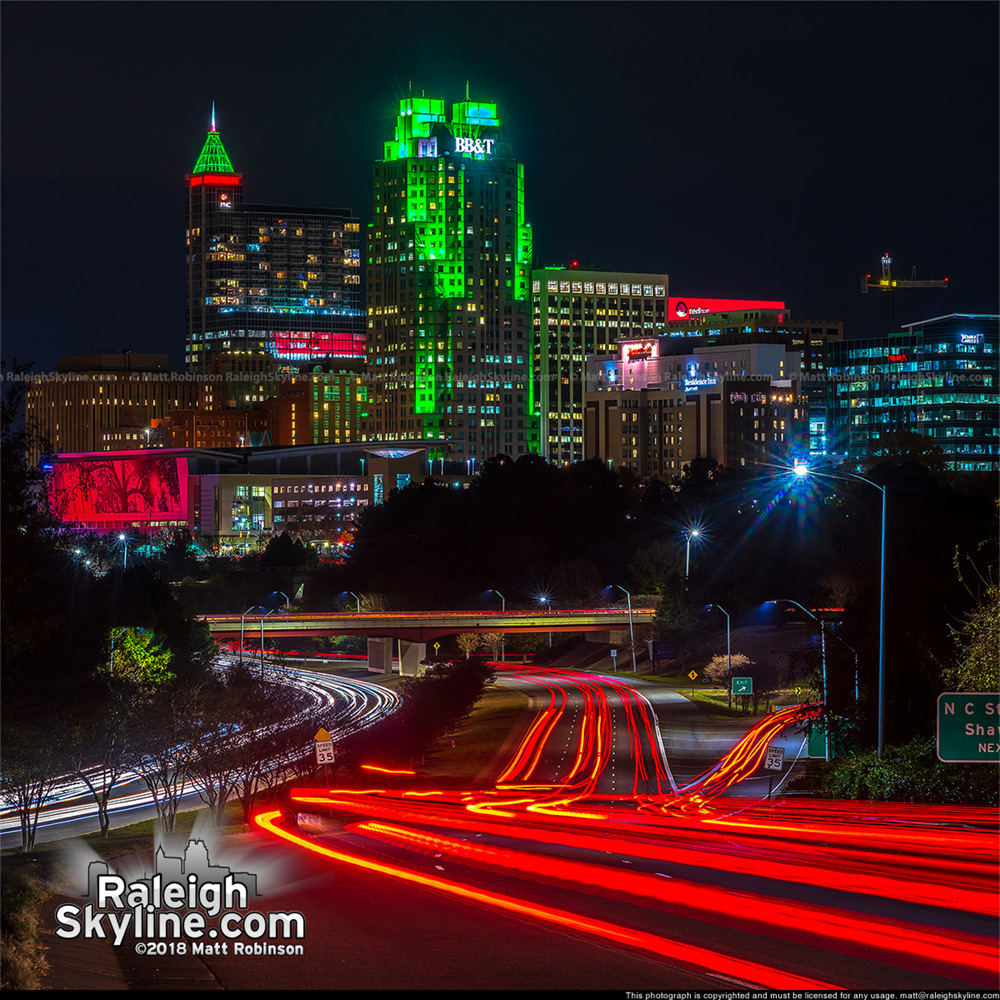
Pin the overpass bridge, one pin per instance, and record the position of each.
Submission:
(414, 629)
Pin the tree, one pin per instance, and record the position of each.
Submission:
(33, 761)
(976, 668)
(494, 640)
(468, 643)
(137, 658)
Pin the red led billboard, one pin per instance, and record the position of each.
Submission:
(679, 309)
(302, 346)
(120, 489)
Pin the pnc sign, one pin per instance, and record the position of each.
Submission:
(466, 144)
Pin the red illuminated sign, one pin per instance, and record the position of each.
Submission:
(293, 344)
(120, 490)
(685, 308)
(229, 179)
(897, 357)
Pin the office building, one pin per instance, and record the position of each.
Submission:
(937, 378)
(281, 279)
(448, 275)
(738, 402)
(576, 314)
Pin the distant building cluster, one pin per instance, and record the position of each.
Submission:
(319, 357)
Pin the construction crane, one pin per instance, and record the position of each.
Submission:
(887, 285)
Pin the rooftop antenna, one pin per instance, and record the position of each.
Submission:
(466, 89)
(213, 129)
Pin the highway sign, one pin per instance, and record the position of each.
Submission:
(968, 727)
(324, 753)
(437, 646)
(322, 736)
(664, 650)
(742, 685)
(693, 675)
(775, 758)
(614, 653)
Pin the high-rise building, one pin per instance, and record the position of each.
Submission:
(577, 314)
(278, 278)
(448, 272)
(938, 379)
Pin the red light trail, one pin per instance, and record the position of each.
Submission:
(726, 863)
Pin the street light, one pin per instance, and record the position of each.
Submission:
(243, 619)
(691, 533)
(729, 651)
(262, 617)
(822, 647)
(503, 635)
(358, 599)
(802, 471)
(631, 633)
(124, 539)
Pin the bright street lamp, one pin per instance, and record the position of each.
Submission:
(124, 540)
(691, 533)
(802, 471)
(631, 633)
(729, 651)
(358, 599)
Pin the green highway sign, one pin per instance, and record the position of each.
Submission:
(968, 727)
(742, 685)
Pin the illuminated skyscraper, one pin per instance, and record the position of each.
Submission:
(449, 267)
(283, 279)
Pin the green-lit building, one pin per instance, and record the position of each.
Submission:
(448, 284)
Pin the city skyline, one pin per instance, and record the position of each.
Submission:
(774, 152)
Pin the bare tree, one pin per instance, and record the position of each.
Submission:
(468, 643)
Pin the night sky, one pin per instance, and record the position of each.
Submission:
(749, 150)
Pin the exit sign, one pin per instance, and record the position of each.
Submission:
(968, 728)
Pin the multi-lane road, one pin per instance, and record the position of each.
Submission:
(616, 843)
(586, 830)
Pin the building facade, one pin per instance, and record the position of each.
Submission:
(448, 273)
(937, 378)
(281, 279)
(739, 403)
(576, 314)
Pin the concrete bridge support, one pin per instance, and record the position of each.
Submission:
(380, 655)
(410, 655)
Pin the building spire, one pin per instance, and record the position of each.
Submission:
(213, 158)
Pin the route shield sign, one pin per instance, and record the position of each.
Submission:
(742, 685)
(775, 758)
(968, 727)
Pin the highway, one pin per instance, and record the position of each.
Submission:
(585, 831)
(70, 809)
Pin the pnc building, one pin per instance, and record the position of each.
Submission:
(448, 274)
(276, 278)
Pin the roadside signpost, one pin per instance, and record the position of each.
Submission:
(774, 760)
(968, 727)
(324, 752)
(614, 659)
(742, 685)
(693, 676)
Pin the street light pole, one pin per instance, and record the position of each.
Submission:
(822, 646)
(503, 635)
(243, 619)
(262, 617)
(358, 599)
(802, 471)
(631, 632)
(729, 652)
(692, 533)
